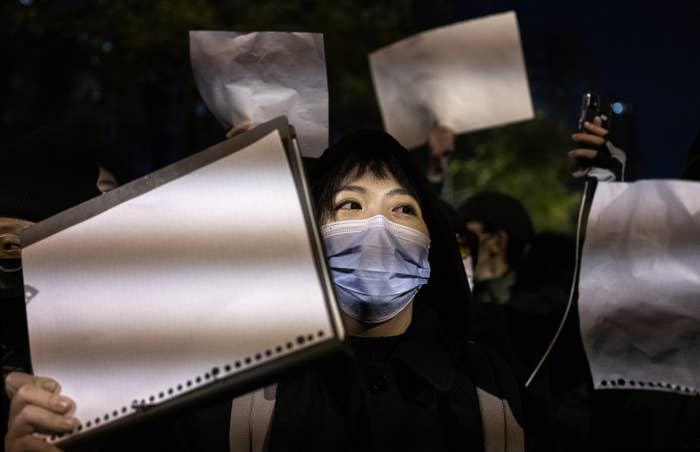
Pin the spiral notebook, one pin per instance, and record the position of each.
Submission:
(639, 286)
(203, 279)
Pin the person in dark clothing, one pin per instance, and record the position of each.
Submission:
(45, 172)
(629, 419)
(412, 381)
(415, 390)
(504, 229)
(412, 391)
(522, 281)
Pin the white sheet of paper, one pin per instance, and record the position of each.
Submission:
(468, 76)
(259, 76)
(639, 288)
(203, 271)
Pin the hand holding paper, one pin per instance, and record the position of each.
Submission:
(36, 405)
(180, 286)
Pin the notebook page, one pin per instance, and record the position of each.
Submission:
(639, 285)
(141, 303)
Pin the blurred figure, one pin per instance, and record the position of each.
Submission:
(504, 229)
(435, 156)
(435, 159)
(45, 173)
(521, 289)
(441, 143)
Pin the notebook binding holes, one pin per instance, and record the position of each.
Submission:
(212, 374)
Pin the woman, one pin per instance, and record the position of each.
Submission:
(410, 380)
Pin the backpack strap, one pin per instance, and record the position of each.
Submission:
(251, 416)
(502, 433)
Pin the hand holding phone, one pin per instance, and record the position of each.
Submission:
(593, 105)
(591, 138)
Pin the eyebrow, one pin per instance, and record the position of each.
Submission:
(355, 188)
(359, 189)
(399, 191)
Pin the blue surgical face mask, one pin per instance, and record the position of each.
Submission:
(377, 266)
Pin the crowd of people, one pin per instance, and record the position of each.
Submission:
(480, 297)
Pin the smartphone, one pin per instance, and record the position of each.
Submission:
(592, 105)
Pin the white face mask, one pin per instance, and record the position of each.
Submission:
(469, 270)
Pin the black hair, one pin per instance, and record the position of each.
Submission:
(447, 291)
(46, 171)
(501, 212)
(381, 162)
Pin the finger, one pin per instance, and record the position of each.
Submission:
(595, 140)
(583, 153)
(16, 380)
(596, 127)
(239, 129)
(580, 173)
(31, 395)
(34, 419)
(29, 443)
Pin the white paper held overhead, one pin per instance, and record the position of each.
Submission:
(259, 76)
(468, 76)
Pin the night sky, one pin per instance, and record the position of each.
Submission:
(642, 53)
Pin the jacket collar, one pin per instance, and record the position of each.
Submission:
(425, 351)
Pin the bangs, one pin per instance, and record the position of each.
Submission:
(382, 166)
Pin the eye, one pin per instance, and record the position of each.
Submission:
(406, 209)
(9, 242)
(10, 246)
(348, 205)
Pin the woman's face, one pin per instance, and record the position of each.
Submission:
(367, 196)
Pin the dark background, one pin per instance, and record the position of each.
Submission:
(120, 69)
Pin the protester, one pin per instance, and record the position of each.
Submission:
(627, 419)
(411, 381)
(503, 228)
(47, 171)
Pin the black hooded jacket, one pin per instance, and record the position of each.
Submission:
(412, 392)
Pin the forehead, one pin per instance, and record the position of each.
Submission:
(10, 225)
(371, 181)
(477, 227)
